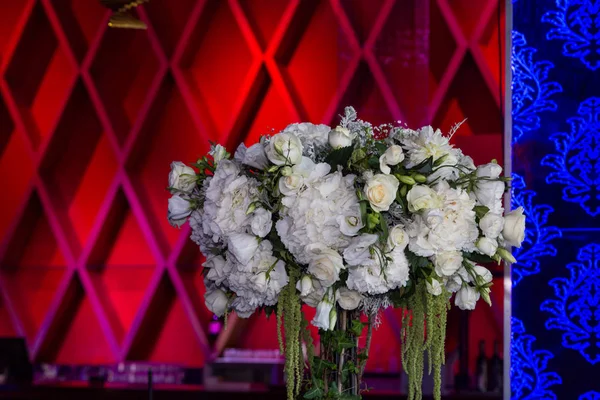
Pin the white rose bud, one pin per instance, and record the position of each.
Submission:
(447, 263)
(421, 197)
(434, 288)
(514, 228)
(490, 170)
(219, 153)
(484, 274)
(242, 246)
(285, 148)
(381, 190)
(398, 238)
(321, 319)
(466, 298)
(289, 185)
(216, 301)
(340, 137)
(392, 156)
(487, 246)
(348, 299)
(305, 285)
(179, 210)
(261, 222)
(491, 225)
(181, 178)
(325, 264)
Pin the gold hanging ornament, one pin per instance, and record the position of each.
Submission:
(121, 17)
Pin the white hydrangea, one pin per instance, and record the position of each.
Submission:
(450, 227)
(257, 283)
(374, 278)
(314, 214)
(425, 143)
(228, 196)
(314, 138)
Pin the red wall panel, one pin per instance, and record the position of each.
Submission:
(90, 118)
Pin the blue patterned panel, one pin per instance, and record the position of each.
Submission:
(577, 161)
(576, 309)
(538, 235)
(577, 23)
(531, 88)
(529, 375)
(591, 395)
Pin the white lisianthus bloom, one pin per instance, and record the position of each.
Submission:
(351, 222)
(305, 285)
(466, 298)
(321, 319)
(453, 283)
(359, 250)
(484, 274)
(491, 225)
(487, 246)
(392, 156)
(434, 288)
(313, 298)
(256, 157)
(514, 228)
(242, 246)
(261, 222)
(398, 238)
(290, 184)
(216, 301)
(447, 263)
(488, 189)
(348, 299)
(340, 137)
(181, 178)
(285, 148)
(219, 269)
(218, 153)
(179, 210)
(381, 190)
(421, 197)
(325, 264)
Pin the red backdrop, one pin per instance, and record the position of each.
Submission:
(90, 118)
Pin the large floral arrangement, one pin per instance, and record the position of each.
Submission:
(350, 220)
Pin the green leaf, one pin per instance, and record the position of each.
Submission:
(339, 157)
(363, 210)
(345, 343)
(384, 229)
(416, 262)
(347, 396)
(269, 310)
(381, 147)
(356, 328)
(478, 258)
(314, 393)
(374, 163)
(480, 211)
(424, 167)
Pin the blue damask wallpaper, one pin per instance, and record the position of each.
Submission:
(555, 347)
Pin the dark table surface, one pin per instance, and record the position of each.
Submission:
(179, 392)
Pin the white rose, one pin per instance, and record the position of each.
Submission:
(218, 269)
(358, 252)
(381, 191)
(421, 197)
(305, 285)
(491, 225)
(218, 153)
(350, 223)
(453, 283)
(284, 148)
(487, 246)
(398, 238)
(340, 137)
(181, 178)
(242, 246)
(179, 210)
(466, 298)
(261, 222)
(484, 273)
(325, 264)
(290, 184)
(315, 295)
(490, 170)
(216, 301)
(392, 156)
(321, 319)
(514, 228)
(447, 263)
(489, 194)
(434, 288)
(348, 299)
(256, 157)
(215, 262)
